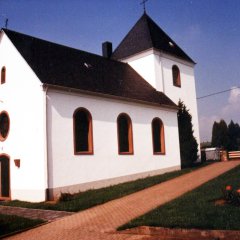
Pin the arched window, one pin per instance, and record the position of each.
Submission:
(83, 137)
(176, 76)
(158, 136)
(3, 75)
(125, 138)
(4, 125)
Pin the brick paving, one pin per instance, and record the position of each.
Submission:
(169, 233)
(47, 215)
(100, 222)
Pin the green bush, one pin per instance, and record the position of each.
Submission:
(66, 197)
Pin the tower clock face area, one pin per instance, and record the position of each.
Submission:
(4, 125)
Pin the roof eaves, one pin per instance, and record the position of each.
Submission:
(190, 61)
(47, 86)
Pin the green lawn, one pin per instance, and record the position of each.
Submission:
(197, 208)
(92, 198)
(10, 223)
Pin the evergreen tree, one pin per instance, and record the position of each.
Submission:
(233, 136)
(238, 136)
(223, 133)
(220, 134)
(188, 143)
(215, 134)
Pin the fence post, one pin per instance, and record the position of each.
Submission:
(224, 156)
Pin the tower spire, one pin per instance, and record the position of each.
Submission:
(144, 5)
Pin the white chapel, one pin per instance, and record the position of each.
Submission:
(71, 120)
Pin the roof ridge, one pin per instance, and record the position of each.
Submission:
(150, 33)
(44, 40)
(58, 44)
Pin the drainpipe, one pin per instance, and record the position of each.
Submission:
(45, 90)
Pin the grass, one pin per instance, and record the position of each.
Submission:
(197, 209)
(12, 223)
(87, 199)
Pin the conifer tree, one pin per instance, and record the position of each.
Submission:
(188, 143)
(215, 134)
(233, 136)
(220, 134)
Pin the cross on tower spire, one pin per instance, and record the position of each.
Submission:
(6, 20)
(144, 5)
(6, 23)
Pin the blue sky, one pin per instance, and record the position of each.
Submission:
(208, 30)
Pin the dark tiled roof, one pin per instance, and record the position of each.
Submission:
(67, 67)
(144, 35)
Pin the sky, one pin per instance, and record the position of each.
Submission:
(207, 30)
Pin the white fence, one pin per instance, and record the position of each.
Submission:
(234, 155)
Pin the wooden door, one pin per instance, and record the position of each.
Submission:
(4, 177)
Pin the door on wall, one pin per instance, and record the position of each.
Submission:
(4, 177)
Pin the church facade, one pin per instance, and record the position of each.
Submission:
(71, 120)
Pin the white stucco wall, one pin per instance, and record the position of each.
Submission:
(144, 64)
(65, 168)
(156, 68)
(187, 91)
(22, 97)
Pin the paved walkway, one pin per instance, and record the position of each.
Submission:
(100, 222)
(47, 215)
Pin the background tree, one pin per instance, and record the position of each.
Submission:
(215, 135)
(220, 134)
(188, 143)
(233, 136)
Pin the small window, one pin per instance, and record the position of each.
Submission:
(4, 125)
(3, 75)
(158, 136)
(125, 138)
(176, 76)
(83, 137)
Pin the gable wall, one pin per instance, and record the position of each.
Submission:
(22, 97)
(67, 169)
(145, 65)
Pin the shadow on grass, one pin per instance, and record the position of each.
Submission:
(12, 223)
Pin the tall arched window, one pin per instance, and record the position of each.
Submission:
(176, 76)
(83, 137)
(158, 136)
(3, 75)
(125, 137)
(4, 125)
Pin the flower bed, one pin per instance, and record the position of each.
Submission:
(231, 196)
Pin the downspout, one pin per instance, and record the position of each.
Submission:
(45, 89)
